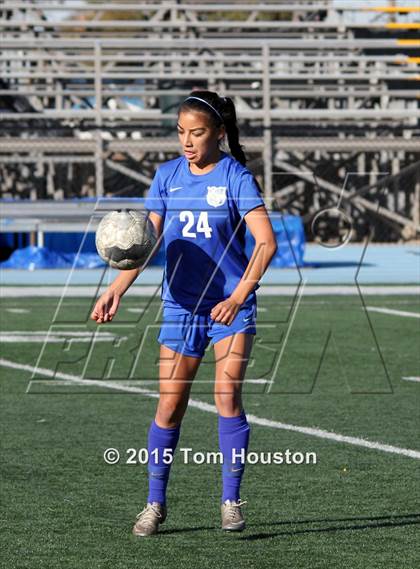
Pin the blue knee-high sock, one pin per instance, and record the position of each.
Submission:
(160, 439)
(233, 434)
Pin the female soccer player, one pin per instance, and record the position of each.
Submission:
(198, 204)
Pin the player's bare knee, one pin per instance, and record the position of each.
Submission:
(228, 404)
(170, 411)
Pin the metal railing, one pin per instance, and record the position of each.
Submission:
(91, 111)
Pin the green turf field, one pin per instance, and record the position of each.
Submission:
(340, 370)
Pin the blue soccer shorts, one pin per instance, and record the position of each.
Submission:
(190, 334)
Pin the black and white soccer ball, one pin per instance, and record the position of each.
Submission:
(125, 238)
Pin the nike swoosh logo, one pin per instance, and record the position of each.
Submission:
(246, 319)
(175, 189)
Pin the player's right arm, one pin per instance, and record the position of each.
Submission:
(108, 303)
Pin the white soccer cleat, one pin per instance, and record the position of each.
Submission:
(232, 518)
(148, 519)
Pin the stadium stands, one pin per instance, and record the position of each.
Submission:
(327, 94)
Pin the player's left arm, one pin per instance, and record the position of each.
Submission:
(265, 248)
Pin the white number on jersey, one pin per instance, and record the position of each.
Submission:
(189, 217)
(201, 227)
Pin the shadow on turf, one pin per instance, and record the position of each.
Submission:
(376, 522)
(185, 530)
(334, 264)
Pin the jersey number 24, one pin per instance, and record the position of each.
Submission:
(202, 225)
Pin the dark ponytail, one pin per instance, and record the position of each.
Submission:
(220, 110)
(232, 131)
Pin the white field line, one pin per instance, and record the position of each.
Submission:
(76, 303)
(49, 337)
(9, 291)
(393, 312)
(202, 406)
(18, 310)
(411, 378)
(52, 339)
(135, 382)
(59, 332)
(261, 307)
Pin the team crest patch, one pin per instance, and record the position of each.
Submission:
(216, 195)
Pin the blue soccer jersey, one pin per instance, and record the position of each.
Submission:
(203, 231)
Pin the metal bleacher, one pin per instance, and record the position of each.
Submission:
(327, 94)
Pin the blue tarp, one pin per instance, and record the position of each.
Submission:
(42, 258)
(61, 249)
(290, 236)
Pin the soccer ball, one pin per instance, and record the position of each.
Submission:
(125, 238)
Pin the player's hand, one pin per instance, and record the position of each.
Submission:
(225, 311)
(106, 307)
